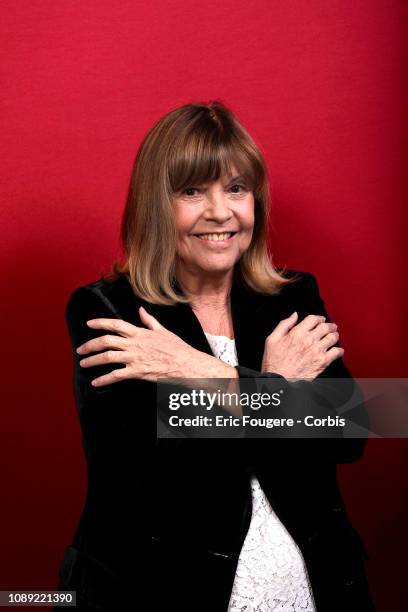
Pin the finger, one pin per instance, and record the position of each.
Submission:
(113, 377)
(119, 326)
(149, 320)
(322, 329)
(106, 357)
(102, 342)
(329, 340)
(335, 353)
(310, 322)
(285, 325)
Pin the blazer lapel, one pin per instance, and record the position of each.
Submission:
(255, 316)
(179, 318)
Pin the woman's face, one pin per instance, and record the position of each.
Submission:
(215, 223)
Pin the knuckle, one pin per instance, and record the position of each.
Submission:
(317, 318)
(307, 341)
(297, 331)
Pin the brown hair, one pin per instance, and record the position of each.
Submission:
(191, 145)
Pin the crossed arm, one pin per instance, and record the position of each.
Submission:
(131, 355)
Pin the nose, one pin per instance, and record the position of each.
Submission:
(218, 208)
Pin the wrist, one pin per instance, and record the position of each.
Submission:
(202, 365)
(272, 369)
(216, 368)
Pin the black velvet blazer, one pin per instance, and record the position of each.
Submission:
(176, 511)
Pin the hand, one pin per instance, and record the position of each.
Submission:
(148, 354)
(301, 351)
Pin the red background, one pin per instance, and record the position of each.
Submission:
(322, 88)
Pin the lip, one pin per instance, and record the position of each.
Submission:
(217, 242)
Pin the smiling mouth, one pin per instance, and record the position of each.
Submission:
(216, 236)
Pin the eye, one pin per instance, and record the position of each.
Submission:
(188, 191)
(237, 185)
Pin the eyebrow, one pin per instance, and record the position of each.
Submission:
(237, 178)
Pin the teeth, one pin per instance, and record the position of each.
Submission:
(216, 237)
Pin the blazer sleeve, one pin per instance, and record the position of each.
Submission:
(87, 303)
(111, 413)
(329, 394)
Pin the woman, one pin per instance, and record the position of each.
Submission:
(249, 524)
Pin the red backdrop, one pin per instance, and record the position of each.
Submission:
(321, 87)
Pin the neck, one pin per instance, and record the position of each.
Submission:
(211, 290)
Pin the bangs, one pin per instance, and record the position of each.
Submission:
(204, 156)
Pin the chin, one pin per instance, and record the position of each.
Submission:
(218, 268)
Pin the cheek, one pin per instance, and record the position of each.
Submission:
(248, 224)
(183, 229)
(251, 222)
(248, 217)
(183, 244)
(184, 240)
(185, 219)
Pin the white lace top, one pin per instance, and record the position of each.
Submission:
(271, 573)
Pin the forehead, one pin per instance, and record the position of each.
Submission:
(206, 174)
(232, 174)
